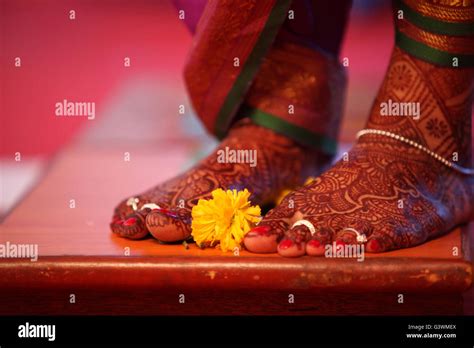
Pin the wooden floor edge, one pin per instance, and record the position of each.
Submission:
(374, 274)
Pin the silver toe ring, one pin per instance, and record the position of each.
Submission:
(133, 202)
(150, 206)
(360, 237)
(306, 223)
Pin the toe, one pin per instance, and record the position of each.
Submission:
(316, 246)
(169, 225)
(289, 248)
(391, 236)
(126, 206)
(123, 209)
(294, 242)
(353, 233)
(384, 239)
(375, 245)
(265, 237)
(132, 226)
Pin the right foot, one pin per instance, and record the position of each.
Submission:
(280, 163)
(393, 193)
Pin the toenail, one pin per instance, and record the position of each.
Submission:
(258, 231)
(130, 221)
(314, 243)
(166, 212)
(374, 245)
(340, 243)
(285, 244)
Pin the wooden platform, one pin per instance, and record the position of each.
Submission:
(78, 255)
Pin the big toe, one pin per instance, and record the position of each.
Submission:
(132, 226)
(169, 226)
(261, 240)
(264, 238)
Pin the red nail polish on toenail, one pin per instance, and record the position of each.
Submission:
(314, 243)
(259, 230)
(340, 242)
(130, 221)
(167, 212)
(285, 244)
(374, 245)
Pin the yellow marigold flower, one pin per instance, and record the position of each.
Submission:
(224, 219)
(282, 195)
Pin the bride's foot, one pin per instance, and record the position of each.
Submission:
(272, 162)
(395, 194)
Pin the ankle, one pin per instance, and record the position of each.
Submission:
(431, 72)
(270, 143)
(298, 92)
(428, 104)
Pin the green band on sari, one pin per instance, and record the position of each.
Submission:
(235, 95)
(300, 135)
(264, 79)
(433, 55)
(434, 25)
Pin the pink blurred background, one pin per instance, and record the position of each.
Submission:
(83, 60)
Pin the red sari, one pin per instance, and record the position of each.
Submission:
(237, 69)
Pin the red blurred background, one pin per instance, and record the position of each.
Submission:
(82, 59)
(79, 60)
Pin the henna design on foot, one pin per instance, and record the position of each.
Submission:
(282, 163)
(394, 194)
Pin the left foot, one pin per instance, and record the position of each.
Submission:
(281, 163)
(393, 193)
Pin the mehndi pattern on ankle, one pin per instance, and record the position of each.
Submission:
(462, 170)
